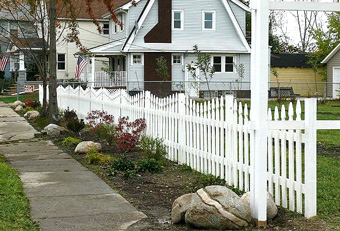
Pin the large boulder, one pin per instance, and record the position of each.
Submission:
(32, 114)
(214, 207)
(85, 146)
(18, 108)
(52, 130)
(180, 207)
(271, 206)
(17, 103)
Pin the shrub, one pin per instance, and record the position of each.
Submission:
(128, 133)
(26, 109)
(75, 125)
(69, 114)
(96, 118)
(41, 122)
(71, 120)
(151, 165)
(70, 141)
(31, 103)
(105, 132)
(94, 157)
(122, 164)
(153, 148)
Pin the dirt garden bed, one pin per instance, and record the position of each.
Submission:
(154, 194)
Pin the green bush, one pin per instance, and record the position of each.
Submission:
(153, 148)
(94, 157)
(151, 165)
(41, 122)
(75, 125)
(70, 141)
(105, 132)
(122, 164)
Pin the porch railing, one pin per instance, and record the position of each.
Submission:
(110, 79)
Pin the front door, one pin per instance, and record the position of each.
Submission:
(336, 82)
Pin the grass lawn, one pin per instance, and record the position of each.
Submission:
(12, 99)
(14, 206)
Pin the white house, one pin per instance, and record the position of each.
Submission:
(88, 35)
(150, 29)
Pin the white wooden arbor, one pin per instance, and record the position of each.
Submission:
(259, 101)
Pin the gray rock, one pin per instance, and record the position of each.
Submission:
(17, 103)
(217, 207)
(18, 108)
(180, 207)
(32, 114)
(85, 146)
(271, 206)
(52, 130)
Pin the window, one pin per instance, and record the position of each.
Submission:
(229, 64)
(177, 22)
(137, 59)
(61, 59)
(223, 63)
(209, 20)
(217, 63)
(106, 28)
(119, 27)
(177, 59)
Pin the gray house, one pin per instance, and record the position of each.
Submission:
(150, 29)
(333, 72)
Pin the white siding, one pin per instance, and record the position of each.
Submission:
(135, 75)
(89, 37)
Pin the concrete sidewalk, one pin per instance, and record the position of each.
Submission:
(63, 194)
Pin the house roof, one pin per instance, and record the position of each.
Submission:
(28, 43)
(98, 7)
(331, 54)
(226, 5)
(289, 60)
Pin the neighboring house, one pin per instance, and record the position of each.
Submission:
(11, 29)
(293, 72)
(151, 29)
(88, 35)
(333, 72)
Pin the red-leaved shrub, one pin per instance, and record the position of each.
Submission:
(128, 133)
(96, 118)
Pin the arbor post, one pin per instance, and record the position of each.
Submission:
(259, 103)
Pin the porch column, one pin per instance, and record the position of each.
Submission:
(93, 70)
(21, 61)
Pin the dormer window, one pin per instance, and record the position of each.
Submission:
(209, 20)
(119, 27)
(106, 28)
(177, 20)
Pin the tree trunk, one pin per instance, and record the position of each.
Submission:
(53, 111)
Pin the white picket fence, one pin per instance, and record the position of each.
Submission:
(216, 137)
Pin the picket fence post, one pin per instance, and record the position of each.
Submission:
(181, 128)
(147, 107)
(310, 158)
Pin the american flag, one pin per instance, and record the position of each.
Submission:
(81, 64)
(3, 63)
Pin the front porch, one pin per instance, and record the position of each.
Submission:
(110, 79)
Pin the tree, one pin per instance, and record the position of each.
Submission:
(325, 42)
(203, 63)
(43, 15)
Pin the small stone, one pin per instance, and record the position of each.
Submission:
(17, 103)
(85, 146)
(18, 108)
(32, 114)
(52, 130)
